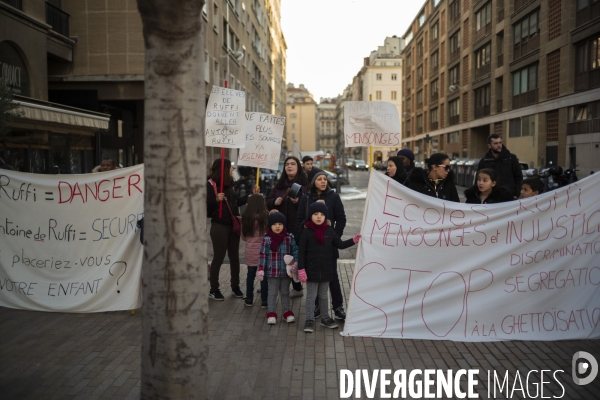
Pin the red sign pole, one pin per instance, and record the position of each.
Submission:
(222, 170)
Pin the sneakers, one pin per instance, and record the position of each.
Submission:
(296, 293)
(288, 316)
(216, 295)
(339, 313)
(328, 323)
(317, 312)
(309, 326)
(272, 318)
(263, 304)
(237, 292)
(248, 302)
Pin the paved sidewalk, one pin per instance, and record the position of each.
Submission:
(97, 356)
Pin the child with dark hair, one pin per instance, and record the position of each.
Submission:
(315, 262)
(275, 246)
(531, 187)
(254, 227)
(487, 190)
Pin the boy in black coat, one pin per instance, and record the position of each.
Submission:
(315, 261)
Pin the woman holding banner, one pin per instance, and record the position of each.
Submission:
(224, 240)
(280, 200)
(336, 214)
(437, 181)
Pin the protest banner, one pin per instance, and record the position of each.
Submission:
(69, 243)
(371, 123)
(264, 133)
(528, 269)
(225, 118)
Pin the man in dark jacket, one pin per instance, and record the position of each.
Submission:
(504, 163)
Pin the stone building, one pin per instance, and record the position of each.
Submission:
(528, 70)
(326, 125)
(95, 61)
(301, 119)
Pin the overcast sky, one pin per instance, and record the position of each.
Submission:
(328, 39)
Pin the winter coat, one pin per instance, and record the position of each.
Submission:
(507, 167)
(212, 205)
(419, 181)
(399, 177)
(287, 207)
(272, 262)
(253, 243)
(335, 212)
(318, 260)
(500, 194)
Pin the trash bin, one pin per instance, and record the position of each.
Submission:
(470, 172)
(453, 168)
(460, 171)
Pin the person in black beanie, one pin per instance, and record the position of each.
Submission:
(408, 159)
(319, 190)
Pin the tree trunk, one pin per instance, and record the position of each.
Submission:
(175, 313)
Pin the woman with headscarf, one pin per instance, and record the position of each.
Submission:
(395, 169)
(437, 181)
(280, 200)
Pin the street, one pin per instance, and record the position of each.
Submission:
(97, 355)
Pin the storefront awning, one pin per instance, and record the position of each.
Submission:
(63, 115)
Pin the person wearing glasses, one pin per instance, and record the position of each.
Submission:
(435, 181)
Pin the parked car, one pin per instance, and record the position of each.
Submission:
(350, 163)
(361, 165)
(524, 168)
(331, 178)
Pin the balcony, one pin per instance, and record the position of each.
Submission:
(498, 105)
(579, 127)
(454, 120)
(484, 31)
(587, 80)
(483, 71)
(18, 4)
(525, 99)
(57, 19)
(454, 55)
(500, 61)
(523, 48)
(587, 14)
(482, 111)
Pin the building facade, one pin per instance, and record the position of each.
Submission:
(46, 137)
(96, 61)
(301, 119)
(327, 125)
(527, 70)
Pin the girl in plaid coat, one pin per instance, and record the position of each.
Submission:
(276, 248)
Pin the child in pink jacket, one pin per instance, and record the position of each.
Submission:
(254, 227)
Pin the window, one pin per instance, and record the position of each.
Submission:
(421, 18)
(520, 127)
(482, 96)
(527, 28)
(215, 19)
(408, 82)
(525, 80)
(216, 78)
(581, 58)
(452, 137)
(244, 14)
(408, 37)
(483, 55)
(580, 112)
(434, 61)
(394, 77)
(435, 2)
(455, 42)
(394, 95)
(378, 95)
(293, 125)
(420, 97)
(434, 89)
(408, 60)
(454, 108)
(419, 123)
(435, 31)
(206, 67)
(420, 73)
(378, 77)
(433, 115)
(483, 16)
(420, 49)
(454, 13)
(205, 11)
(453, 75)
(293, 115)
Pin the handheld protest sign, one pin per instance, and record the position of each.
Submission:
(371, 123)
(264, 133)
(225, 118)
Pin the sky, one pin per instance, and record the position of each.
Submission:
(327, 40)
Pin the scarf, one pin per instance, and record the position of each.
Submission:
(276, 239)
(319, 231)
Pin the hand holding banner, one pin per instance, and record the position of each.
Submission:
(371, 123)
(225, 118)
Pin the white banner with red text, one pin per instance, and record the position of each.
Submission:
(69, 243)
(371, 123)
(522, 270)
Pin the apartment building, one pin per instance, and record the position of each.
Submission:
(327, 125)
(301, 119)
(380, 79)
(96, 62)
(46, 137)
(528, 70)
